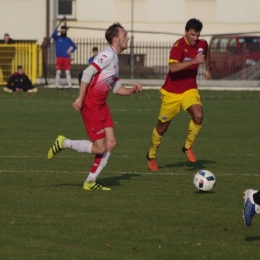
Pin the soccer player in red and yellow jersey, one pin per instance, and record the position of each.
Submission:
(180, 89)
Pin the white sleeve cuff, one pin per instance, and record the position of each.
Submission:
(116, 86)
(88, 73)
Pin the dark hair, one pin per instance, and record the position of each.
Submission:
(112, 31)
(19, 67)
(194, 24)
(95, 49)
(6, 34)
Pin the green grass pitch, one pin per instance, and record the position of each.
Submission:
(45, 213)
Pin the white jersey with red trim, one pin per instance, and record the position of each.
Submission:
(106, 62)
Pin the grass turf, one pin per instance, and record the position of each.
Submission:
(45, 213)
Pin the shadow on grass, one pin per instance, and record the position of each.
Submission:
(115, 181)
(109, 181)
(199, 165)
(68, 184)
(204, 192)
(251, 239)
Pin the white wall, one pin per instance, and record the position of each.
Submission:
(25, 19)
(218, 16)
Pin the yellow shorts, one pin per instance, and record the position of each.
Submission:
(171, 103)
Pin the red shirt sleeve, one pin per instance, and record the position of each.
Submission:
(176, 53)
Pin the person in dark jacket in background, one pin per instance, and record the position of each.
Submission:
(7, 54)
(19, 82)
(7, 39)
(95, 53)
(64, 47)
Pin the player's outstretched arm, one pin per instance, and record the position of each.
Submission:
(88, 73)
(207, 60)
(123, 91)
(82, 92)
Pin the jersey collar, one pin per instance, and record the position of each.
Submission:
(113, 49)
(186, 40)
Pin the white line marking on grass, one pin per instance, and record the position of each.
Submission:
(26, 141)
(128, 173)
(127, 140)
(20, 156)
(156, 173)
(131, 110)
(60, 110)
(186, 174)
(15, 171)
(84, 155)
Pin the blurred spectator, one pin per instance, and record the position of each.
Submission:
(94, 53)
(64, 47)
(19, 82)
(6, 56)
(7, 39)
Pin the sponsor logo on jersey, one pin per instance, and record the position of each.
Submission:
(101, 131)
(200, 51)
(102, 58)
(187, 59)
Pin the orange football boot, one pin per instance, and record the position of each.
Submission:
(190, 155)
(152, 164)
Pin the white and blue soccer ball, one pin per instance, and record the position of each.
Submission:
(204, 180)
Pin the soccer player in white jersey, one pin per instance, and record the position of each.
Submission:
(97, 79)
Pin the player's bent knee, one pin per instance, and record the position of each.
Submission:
(198, 119)
(111, 145)
(162, 127)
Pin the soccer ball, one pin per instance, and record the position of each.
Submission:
(204, 180)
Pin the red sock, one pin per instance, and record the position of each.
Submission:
(96, 163)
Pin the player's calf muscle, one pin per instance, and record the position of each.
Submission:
(99, 146)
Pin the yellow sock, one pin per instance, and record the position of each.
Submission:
(192, 134)
(155, 143)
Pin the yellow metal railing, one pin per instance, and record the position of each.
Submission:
(27, 55)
